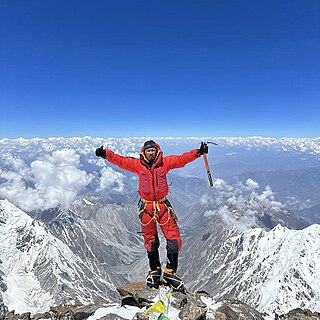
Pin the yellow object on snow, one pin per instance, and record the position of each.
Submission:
(159, 310)
(159, 306)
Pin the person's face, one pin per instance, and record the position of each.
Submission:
(150, 153)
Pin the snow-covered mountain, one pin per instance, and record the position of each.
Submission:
(38, 270)
(104, 236)
(244, 245)
(273, 271)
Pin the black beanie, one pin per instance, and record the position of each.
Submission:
(150, 144)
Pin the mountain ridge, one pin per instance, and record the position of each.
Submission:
(271, 270)
(39, 269)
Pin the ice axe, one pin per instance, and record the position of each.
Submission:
(206, 163)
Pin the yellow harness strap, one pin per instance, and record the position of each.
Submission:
(172, 213)
(156, 210)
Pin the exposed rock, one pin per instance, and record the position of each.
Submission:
(62, 312)
(142, 316)
(180, 300)
(12, 316)
(299, 314)
(225, 312)
(3, 308)
(137, 294)
(39, 316)
(112, 316)
(190, 307)
(131, 288)
(73, 312)
(192, 312)
(237, 310)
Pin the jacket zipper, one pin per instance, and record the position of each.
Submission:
(153, 186)
(157, 177)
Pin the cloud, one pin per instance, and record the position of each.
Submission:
(251, 184)
(51, 181)
(240, 205)
(111, 180)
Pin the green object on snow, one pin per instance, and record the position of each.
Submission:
(163, 317)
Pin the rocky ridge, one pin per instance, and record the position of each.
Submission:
(188, 306)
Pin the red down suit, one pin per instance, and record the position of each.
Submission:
(153, 189)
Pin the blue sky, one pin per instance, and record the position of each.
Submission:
(159, 68)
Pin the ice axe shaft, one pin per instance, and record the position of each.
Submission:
(206, 163)
(208, 170)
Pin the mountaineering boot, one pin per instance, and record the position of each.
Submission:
(154, 261)
(171, 278)
(172, 261)
(153, 278)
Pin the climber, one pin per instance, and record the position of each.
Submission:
(154, 207)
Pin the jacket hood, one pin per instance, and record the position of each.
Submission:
(157, 160)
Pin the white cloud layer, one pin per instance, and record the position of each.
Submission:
(51, 181)
(39, 173)
(240, 204)
(111, 180)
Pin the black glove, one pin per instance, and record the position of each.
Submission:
(100, 152)
(203, 148)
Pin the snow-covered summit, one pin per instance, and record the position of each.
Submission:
(23, 241)
(283, 267)
(274, 271)
(38, 270)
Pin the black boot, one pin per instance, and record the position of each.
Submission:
(170, 276)
(154, 260)
(172, 261)
(153, 278)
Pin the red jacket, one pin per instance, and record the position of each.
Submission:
(153, 183)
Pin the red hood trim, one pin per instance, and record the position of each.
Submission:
(158, 157)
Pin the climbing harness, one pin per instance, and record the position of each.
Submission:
(142, 204)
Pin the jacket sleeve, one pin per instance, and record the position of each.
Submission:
(126, 163)
(172, 162)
